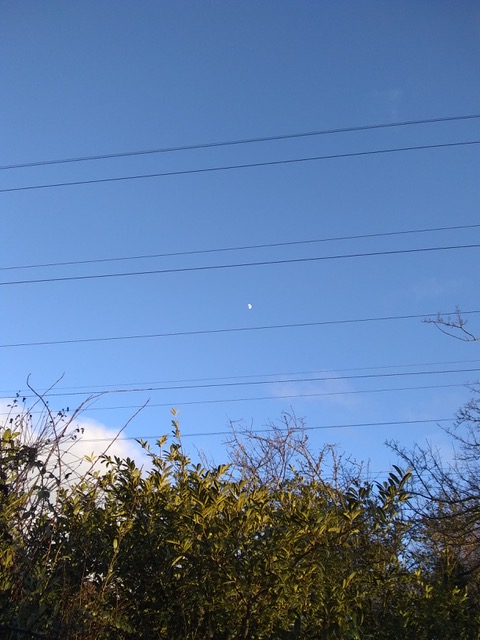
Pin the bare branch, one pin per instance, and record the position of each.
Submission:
(453, 326)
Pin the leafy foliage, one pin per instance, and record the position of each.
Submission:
(263, 548)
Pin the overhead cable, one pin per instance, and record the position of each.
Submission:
(217, 267)
(290, 396)
(256, 398)
(226, 143)
(256, 383)
(249, 165)
(200, 332)
(202, 434)
(267, 245)
(124, 385)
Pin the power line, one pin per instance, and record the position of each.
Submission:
(255, 431)
(216, 385)
(228, 330)
(281, 397)
(268, 245)
(123, 385)
(225, 143)
(261, 398)
(249, 165)
(217, 267)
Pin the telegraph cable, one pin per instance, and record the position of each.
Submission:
(255, 431)
(225, 143)
(256, 383)
(249, 165)
(259, 398)
(227, 330)
(217, 267)
(268, 245)
(124, 385)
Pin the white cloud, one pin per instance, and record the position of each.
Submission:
(333, 392)
(94, 439)
(88, 438)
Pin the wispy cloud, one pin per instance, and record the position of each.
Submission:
(431, 288)
(329, 392)
(392, 98)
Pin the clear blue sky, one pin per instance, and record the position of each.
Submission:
(89, 78)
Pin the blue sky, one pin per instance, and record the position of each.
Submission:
(92, 78)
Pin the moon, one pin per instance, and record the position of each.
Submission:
(249, 306)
